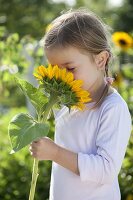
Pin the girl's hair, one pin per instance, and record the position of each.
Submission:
(83, 30)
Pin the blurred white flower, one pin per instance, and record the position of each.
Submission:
(13, 69)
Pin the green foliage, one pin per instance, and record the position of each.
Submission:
(101, 7)
(27, 17)
(10, 50)
(124, 84)
(126, 174)
(23, 130)
(15, 170)
(16, 56)
(37, 98)
(11, 96)
(124, 18)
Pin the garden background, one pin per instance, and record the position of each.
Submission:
(22, 25)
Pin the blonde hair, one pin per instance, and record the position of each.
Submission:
(83, 30)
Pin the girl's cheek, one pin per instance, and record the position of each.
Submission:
(76, 75)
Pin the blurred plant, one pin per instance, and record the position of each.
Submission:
(126, 173)
(124, 84)
(32, 17)
(15, 170)
(16, 56)
(118, 80)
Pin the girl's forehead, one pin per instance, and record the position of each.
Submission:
(68, 51)
(62, 50)
(62, 55)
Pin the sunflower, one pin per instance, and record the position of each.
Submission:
(123, 40)
(61, 84)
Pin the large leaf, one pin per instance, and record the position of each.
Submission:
(23, 130)
(37, 98)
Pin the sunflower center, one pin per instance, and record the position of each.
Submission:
(122, 42)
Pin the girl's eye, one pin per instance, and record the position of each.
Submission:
(70, 69)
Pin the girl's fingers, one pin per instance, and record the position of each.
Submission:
(34, 143)
(31, 150)
(32, 147)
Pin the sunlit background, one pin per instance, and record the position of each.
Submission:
(22, 26)
(73, 2)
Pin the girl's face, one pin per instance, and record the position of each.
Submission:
(81, 65)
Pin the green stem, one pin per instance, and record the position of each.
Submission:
(53, 99)
(34, 179)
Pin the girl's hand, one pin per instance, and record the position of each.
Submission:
(44, 149)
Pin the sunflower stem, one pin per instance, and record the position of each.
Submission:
(34, 172)
(53, 100)
(34, 179)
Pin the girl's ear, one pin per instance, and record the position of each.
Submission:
(101, 59)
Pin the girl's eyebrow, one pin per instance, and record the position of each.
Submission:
(67, 63)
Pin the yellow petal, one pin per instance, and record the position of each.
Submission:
(84, 100)
(69, 77)
(63, 74)
(37, 76)
(76, 84)
(50, 71)
(56, 72)
(82, 93)
(42, 71)
(81, 106)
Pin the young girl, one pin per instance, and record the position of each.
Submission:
(89, 145)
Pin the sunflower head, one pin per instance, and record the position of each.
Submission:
(123, 40)
(61, 84)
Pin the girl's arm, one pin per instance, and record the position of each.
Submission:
(67, 159)
(46, 149)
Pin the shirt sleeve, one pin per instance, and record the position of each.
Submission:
(111, 142)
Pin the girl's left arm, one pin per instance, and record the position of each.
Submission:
(67, 159)
(46, 149)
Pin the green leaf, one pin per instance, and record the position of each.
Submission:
(23, 130)
(37, 98)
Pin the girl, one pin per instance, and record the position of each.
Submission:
(89, 145)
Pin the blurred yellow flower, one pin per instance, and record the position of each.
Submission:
(129, 197)
(48, 27)
(123, 40)
(118, 80)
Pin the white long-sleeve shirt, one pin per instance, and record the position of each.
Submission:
(100, 139)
